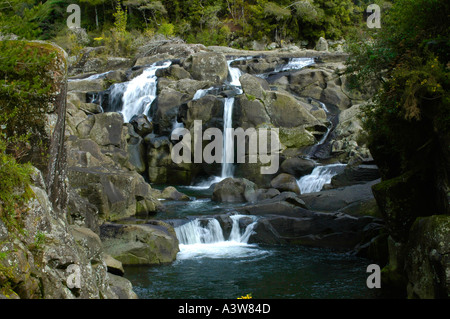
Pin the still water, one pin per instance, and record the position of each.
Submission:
(210, 266)
(262, 271)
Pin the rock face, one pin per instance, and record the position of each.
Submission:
(427, 262)
(54, 250)
(40, 264)
(149, 244)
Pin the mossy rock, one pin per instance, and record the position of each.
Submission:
(403, 199)
(296, 137)
(427, 261)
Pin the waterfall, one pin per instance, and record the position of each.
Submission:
(228, 143)
(320, 176)
(325, 136)
(204, 239)
(193, 233)
(139, 93)
(209, 231)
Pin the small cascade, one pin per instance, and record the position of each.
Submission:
(201, 93)
(209, 231)
(92, 77)
(320, 176)
(195, 233)
(295, 64)
(325, 136)
(139, 93)
(203, 238)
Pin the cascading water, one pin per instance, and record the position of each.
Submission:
(295, 64)
(92, 77)
(203, 238)
(193, 233)
(200, 93)
(228, 143)
(320, 176)
(139, 93)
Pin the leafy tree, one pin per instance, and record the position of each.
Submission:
(94, 3)
(409, 61)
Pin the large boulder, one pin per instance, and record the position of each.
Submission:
(284, 219)
(297, 167)
(254, 87)
(173, 48)
(107, 129)
(148, 244)
(136, 150)
(235, 190)
(337, 231)
(252, 111)
(208, 66)
(115, 193)
(286, 111)
(357, 174)
(122, 287)
(285, 182)
(296, 137)
(354, 200)
(168, 103)
(208, 109)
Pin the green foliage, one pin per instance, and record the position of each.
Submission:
(39, 240)
(118, 41)
(167, 29)
(408, 60)
(25, 96)
(273, 20)
(14, 189)
(120, 19)
(32, 19)
(25, 87)
(211, 37)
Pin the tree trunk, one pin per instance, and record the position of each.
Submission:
(96, 16)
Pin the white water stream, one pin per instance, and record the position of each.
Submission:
(201, 238)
